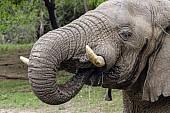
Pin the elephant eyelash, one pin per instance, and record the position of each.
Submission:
(125, 35)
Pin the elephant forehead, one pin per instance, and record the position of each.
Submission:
(119, 12)
(143, 26)
(123, 9)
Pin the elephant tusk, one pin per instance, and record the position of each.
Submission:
(25, 60)
(96, 60)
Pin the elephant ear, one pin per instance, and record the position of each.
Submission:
(157, 81)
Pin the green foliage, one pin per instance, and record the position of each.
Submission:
(20, 19)
(94, 3)
(69, 10)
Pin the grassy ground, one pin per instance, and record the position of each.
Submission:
(17, 95)
(14, 47)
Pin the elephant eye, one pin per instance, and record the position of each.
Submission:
(125, 33)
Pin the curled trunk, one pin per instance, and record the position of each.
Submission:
(45, 60)
(66, 45)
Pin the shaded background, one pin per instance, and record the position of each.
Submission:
(22, 22)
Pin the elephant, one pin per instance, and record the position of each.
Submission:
(122, 44)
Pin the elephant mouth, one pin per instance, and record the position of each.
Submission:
(132, 76)
(109, 78)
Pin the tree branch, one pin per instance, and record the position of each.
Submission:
(85, 5)
(50, 4)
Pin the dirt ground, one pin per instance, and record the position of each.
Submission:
(10, 65)
(46, 109)
(68, 108)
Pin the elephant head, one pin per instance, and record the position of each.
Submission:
(129, 36)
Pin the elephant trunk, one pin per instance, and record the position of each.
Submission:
(67, 44)
(46, 56)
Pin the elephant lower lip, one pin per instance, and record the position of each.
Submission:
(132, 77)
(111, 81)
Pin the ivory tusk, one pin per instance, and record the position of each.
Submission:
(96, 60)
(25, 60)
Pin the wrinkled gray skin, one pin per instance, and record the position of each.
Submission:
(131, 35)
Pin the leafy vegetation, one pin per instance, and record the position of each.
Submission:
(68, 11)
(22, 20)
(17, 22)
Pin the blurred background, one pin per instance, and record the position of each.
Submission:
(22, 22)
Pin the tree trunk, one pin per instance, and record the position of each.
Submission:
(85, 4)
(40, 27)
(41, 24)
(50, 4)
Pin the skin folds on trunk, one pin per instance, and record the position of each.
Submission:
(67, 44)
(45, 60)
(52, 93)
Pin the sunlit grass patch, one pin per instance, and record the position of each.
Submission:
(14, 47)
(17, 94)
(92, 99)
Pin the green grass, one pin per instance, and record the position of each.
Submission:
(17, 94)
(14, 47)
(92, 99)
